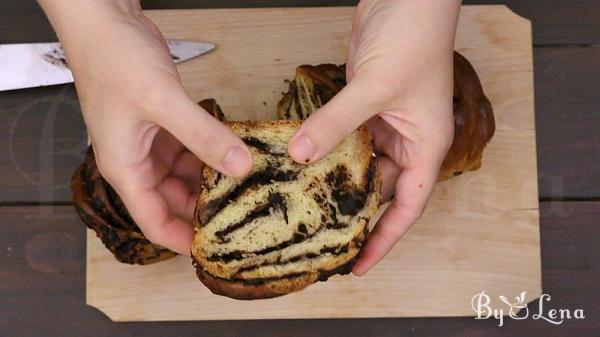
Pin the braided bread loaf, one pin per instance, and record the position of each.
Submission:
(101, 209)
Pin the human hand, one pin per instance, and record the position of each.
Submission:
(400, 80)
(146, 132)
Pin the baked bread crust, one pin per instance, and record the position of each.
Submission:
(243, 266)
(241, 290)
(101, 210)
(474, 123)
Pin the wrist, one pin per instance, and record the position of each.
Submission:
(68, 15)
(84, 25)
(54, 6)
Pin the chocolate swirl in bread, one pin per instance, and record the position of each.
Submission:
(285, 225)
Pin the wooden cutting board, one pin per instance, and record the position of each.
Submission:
(480, 230)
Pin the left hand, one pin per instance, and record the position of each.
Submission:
(400, 80)
(149, 138)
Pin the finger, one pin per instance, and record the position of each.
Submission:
(389, 176)
(350, 62)
(352, 48)
(151, 212)
(187, 168)
(168, 149)
(412, 192)
(324, 129)
(210, 140)
(386, 144)
(180, 199)
(386, 140)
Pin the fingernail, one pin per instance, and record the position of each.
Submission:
(303, 149)
(236, 162)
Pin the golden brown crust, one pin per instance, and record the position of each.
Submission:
(242, 291)
(269, 288)
(211, 106)
(312, 87)
(101, 212)
(474, 123)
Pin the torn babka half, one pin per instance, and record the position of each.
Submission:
(285, 225)
(474, 123)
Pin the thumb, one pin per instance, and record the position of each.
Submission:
(207, 138)
(323, 130)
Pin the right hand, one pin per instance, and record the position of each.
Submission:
(402, 88)
(149, 137)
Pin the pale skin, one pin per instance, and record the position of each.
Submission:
(150, 139)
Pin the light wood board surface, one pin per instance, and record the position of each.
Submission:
(480, 230)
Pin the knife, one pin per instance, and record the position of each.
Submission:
(26, 65)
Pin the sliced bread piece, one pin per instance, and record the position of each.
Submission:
(285, 225)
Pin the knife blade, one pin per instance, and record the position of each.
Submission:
(26, 65)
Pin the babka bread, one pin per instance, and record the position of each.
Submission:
(312, 87)
(285, 225)
(101, 209)
(474, 123)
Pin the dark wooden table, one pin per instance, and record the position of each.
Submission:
(42, 243)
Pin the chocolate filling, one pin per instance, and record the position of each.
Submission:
(302, 229)
(287, 114)
(218, 177)
(370, 175)
(324, 274)
(261, 211)
(349, 199)
(296, 103)
(268, 175)
(335, 250)
(259, 145)
(276, 202)
(240, 255)
(259, 281)
(344, 269)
